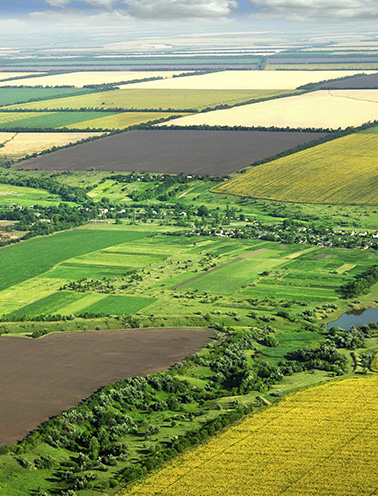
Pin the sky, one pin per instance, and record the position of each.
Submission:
(49, 17)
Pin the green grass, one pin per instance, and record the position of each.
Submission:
(36, 256)
(119, 305)
(26, 197)
(15, 96)
(46, 120)
(158, 99)
(47, 306)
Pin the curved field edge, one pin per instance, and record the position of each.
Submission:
(322, 440)
(342, 171)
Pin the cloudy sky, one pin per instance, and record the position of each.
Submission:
(49, 16)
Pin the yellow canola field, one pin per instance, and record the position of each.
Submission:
(320, 109)
(320, 442)
(247, 80)
(80, 79)
(17, 145)
(343, 171)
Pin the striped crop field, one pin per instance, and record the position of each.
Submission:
(322, 441)
(343, 171)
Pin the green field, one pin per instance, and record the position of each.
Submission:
(18, 195)
(327, 173)
(118, 305)
(38, 255)
(15, 96)
(158, 99)
(175, 276)
(87, 120)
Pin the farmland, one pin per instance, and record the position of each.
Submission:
(320, 109)
(76, 120)
(358, 83)
(158, 99)
(196, 152)
(9, 75)
(320, 441)
(16, 95)
(15, 195)
(154, 267)
(18, 145)
(330, 168)
(80, 79)
(97, 358)
(165, 288)
(163, 297)
(38, 255)
(245, 80)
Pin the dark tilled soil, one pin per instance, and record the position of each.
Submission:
(42, 377)
(355, 83)
(214, 153)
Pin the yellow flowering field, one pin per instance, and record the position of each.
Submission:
(319, 442)
(340, 171)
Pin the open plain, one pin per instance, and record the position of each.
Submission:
(190, 152)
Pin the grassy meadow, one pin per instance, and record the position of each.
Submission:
(330, 170)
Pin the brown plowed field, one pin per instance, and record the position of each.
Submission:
(213, 153)
(42, 377)
(354, 83)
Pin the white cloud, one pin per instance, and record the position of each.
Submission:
(162, 9)
(303, 9)
(58, 3)
(94, 3)
(180, 8)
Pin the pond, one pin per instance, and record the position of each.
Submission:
(355, 318)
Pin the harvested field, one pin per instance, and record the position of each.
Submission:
(9, 75)
(42, 377)
(80, 79)
(246, 80)
(319, 441)
(320, 109)
(158, 99)
(192, 152)
(18, 145)
(331, 170)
